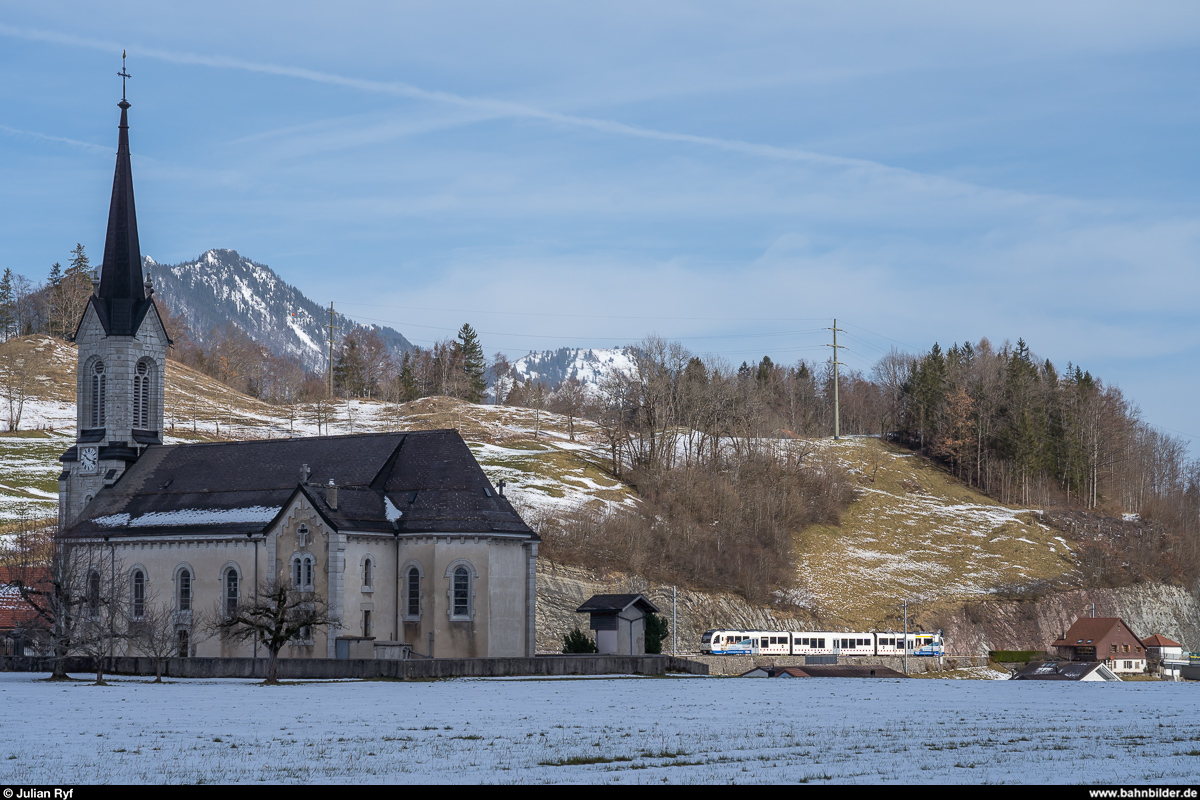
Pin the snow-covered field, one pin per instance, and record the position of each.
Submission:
(621, 730)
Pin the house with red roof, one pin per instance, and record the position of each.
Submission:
(1166, 654)
(1106, 639)
(1159, 647)
(18, 620)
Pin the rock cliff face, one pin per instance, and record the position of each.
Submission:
(979, 626)
(971, 629)
(562, 589)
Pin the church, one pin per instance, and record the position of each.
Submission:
(402, 534)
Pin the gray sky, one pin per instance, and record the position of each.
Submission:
(733, 176)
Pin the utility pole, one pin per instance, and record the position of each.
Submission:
(837, 422)
(333, 328)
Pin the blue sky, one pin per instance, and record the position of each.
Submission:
(585, 174)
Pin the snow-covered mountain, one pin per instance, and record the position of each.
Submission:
(222, 286)
(590, 366)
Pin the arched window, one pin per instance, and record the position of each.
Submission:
(184, 584)
(414, 593)
(138, 592)
(461, 577)
(96, 391)
(303, 569)
(368, 575)
(462, 594)
(93, 594)
(143, 372)
(231, 584)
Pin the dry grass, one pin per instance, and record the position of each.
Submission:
(917, 532)
(913, 531)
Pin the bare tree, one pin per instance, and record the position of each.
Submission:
(154, 631)
(501, 372)
(568, 399)
(48, 574)
(277, 615)
(321, 411)
(16, 377)
(101, 619)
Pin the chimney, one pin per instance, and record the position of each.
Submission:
(331, 494)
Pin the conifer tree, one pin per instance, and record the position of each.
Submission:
(473, 363)
(80, 265)
(75, 288)
(408, 380)
(7, 304)
(54, 297)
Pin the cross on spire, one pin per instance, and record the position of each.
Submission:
(123, 75)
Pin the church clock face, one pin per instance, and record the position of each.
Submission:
(87, 460)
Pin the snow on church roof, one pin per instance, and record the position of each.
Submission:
(418, 482)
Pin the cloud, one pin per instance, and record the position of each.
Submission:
(92, 148)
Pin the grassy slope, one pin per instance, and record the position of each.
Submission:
(914, 531)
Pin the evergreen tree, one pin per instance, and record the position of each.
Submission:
(54, 300)
(766, 370)
(347, 373)
(7, 305)
(408, 380)
(470, 353)
(79, 265)
(75, 288)
(656, 633)
(578, 642)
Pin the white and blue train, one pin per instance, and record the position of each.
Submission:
(722, 642)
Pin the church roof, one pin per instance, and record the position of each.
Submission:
(418, 482)
(121, 301)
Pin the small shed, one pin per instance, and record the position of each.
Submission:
(1066, 671)
(619, 621)
(347, 647)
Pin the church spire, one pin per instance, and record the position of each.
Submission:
(121, 292)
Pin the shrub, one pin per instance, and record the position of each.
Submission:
(656, 633)
(727, 529)
(578, 642)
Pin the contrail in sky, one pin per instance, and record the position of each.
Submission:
(492, 106)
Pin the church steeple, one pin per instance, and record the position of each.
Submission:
(122, 295)
(122, 347)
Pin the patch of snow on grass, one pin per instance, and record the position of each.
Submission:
(601, 730)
